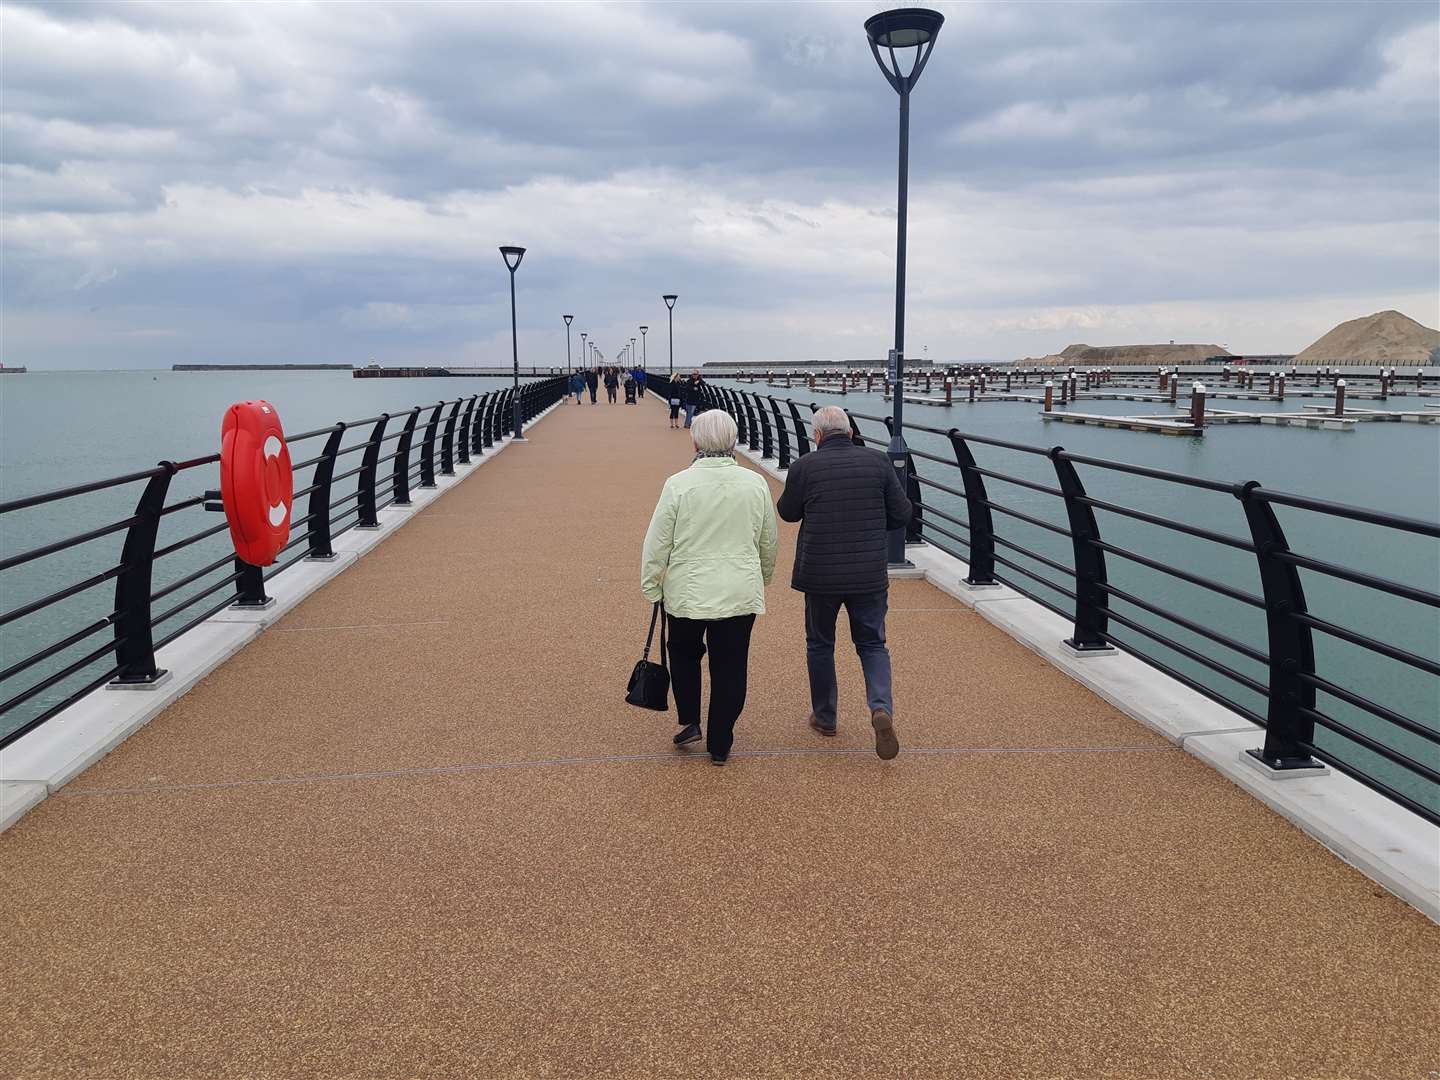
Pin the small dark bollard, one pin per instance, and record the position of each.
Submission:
(949, 390)
(1280, 387)
(972, 389)
(1339, 397)
(1197, 405)
(1174, 387)
(1049, 397)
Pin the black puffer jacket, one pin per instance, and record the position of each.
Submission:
(846, 498)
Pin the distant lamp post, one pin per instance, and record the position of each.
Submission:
(584, 349)
(632, 352)
(644, 352)
(902, 29)
(512, 256)
(670, 299)
(567, 319)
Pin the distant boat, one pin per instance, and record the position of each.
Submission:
(12, 370)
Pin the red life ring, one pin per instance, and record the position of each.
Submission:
(256, 483)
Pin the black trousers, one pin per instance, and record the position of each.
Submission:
(728, 642)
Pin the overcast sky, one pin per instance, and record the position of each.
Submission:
(329, 182)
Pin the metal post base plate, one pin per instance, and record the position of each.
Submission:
(325, 558)
(1087, 651)
(242, 605)
(905, 571)
(161, 678)
(1284, 768)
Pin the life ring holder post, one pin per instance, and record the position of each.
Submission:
(250, 592)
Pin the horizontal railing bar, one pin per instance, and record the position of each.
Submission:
(190, 578)
(1372, 744)
(1069, 572)
(1005, 478)
(1354, 513)
(183, 504)
(1253, 685)
(62, 545)
(1194, 627)
(949, 463)
(929, 510)
(1025, 592)
(203, 534)
(1034, 576)
(34, 722)
(1388, 715)
(59, 676)
(942, 487)
(64, 594)
(1183, 575)
(1394, 588)
(1025, 517)
(79, 489)
(1145, 470)
(195, 621)
(1180, 677)
(318, 431)
(195, 463)
(59, 646)
(348, 473)
(1393, 794)
(1373, 644)
(228, 579)
(930, 525)
(1177, 526)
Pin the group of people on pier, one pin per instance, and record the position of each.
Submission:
(612, 378)
(710, 552)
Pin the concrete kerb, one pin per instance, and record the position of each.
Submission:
(63, 747)
(1387, 843)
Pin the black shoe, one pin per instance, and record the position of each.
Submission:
(716, 759)
(823, 729)
(688, 734)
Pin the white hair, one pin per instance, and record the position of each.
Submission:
(831, 420)
(714, 432)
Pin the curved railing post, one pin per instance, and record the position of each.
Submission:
(427, 449)
(780, 432)
(318, 527)
(250, 586)
(1288, 730)
(915, 531)
(369, 469)
(134, 636)
(737, 410)
(483, 440)
(447, 442)
(462, 445)
(802, 441)
(505, 418)
(754, 439)
(977, 513)
(1091, 622)
(400, 475)
(766, 434)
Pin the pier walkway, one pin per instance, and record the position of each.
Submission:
(412, 830)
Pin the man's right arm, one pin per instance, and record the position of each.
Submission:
(791, 506)
(897, 507)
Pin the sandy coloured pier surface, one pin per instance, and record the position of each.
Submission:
(413, 831)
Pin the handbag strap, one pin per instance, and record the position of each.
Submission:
(650, 637)
(664, 619)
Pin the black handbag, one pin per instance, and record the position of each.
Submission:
(650, 683)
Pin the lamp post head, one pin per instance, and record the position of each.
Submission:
(670, 299)
(644, 330)
(567, 319)
(512, 256)
(902, 29)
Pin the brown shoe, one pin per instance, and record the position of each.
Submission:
(821, 728)
(887, 745)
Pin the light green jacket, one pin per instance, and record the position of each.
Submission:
(710, 548)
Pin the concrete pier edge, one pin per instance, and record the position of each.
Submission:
(48, 758)
(1385, 842)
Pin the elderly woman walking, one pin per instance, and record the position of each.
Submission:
(709, 553)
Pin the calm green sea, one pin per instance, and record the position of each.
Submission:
(63, 428)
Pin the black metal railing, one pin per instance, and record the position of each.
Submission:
(1239, 625)
(201, 574)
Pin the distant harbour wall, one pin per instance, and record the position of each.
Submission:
(262, 367)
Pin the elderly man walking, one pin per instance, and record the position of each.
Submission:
(846, 498)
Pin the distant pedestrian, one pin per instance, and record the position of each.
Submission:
(629, 388)
(694, 396)
(612, 383)
(592, 382)
(676, 389)
(709, 553)
(577, 385)
(847, 499)
(640, 379)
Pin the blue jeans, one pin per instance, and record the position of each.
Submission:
(867, 631)
(689, 414)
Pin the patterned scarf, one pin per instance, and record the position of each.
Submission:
(712, 453)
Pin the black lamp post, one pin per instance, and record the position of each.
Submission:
(644, 352)
(632, 352)
(584, 349)
(902, 29)
(567, 319)
(512, 256)
(670, 299)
